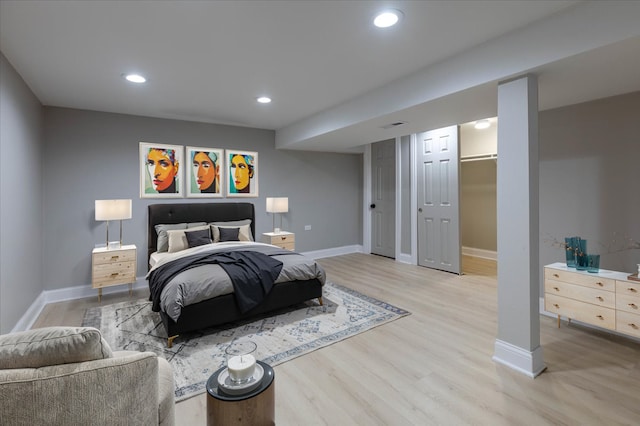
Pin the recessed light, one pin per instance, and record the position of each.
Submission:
(135, 78)
(387, 18)
(482, 124)
(263, 100)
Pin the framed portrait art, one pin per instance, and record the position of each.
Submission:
(205, 172)
(160, 170)
(242, 173)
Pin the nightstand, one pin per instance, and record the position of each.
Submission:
(284, 239)
(113, 267)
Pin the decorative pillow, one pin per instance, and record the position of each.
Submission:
(52, 346)
(163, 238)
(178, 239)
(198, 238)
(243, 235)
(229, 234)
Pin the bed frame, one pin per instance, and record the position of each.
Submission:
(222, 309)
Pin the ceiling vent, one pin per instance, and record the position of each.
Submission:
(394, 124)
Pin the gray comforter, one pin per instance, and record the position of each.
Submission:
(208, 281)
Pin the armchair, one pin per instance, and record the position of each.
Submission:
(70, 376)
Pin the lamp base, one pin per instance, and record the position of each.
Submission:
(276, 230)
(114, 245)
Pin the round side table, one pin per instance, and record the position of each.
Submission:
(254, 408)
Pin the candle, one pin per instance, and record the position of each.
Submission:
(241, 367)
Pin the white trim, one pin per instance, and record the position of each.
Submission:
(476, 252)
(414, 200)
(398, 197)
(526, 362)
(405, 258)
(336, 251)
(68, 293)
(366, 197)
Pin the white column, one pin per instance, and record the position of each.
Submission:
(518, 341)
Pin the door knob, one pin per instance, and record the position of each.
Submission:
(373, 206)
(420, 210)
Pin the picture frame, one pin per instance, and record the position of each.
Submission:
(205, 172)
(241, 173)
(161, 170)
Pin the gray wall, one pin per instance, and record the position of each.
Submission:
(590, 179)
(92, 155)
(20, 197)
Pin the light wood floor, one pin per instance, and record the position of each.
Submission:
(434, 366)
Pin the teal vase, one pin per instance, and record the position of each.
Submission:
(581, 255)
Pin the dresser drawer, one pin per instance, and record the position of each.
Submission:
(581, 311)
(114, 256)
(628, 323)
(580, 293)
(628, 289)
(282, 239)
(583, 279)
(114, 273)
(628, 303)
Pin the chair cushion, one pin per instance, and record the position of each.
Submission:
(52, 346)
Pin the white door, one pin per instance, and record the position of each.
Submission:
(383, 198)
(438, 200)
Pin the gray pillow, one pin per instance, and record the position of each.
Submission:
(244, 233)
(229, 234)
(163, 237)
(198, 238)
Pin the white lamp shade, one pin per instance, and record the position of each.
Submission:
(113, 209)
(277, 204)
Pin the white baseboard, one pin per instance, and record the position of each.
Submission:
(526, 362)
(337, 251)
(405, 258)
(476, 252)
(68, 293)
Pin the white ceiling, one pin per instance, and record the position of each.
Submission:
(208, 60)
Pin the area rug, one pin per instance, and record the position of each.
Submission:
(280, 336)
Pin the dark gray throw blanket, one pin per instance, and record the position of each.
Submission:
(252, 275)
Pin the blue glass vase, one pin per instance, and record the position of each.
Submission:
(570, 251)
(582, 261)
(593, 263)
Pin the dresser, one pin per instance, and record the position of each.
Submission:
(284, 239)
(113, 267)
(607, 299)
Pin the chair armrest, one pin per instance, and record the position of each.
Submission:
(105, 391)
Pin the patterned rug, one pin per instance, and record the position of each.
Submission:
(281, 336)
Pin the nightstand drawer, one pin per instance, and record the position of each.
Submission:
(578, 278)
(581, 293)
(285, 240)
(114, 273)
(581, 311)
(287, 246)
(114, 256)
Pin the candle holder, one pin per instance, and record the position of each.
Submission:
(241, 361)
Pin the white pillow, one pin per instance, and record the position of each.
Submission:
(178, 240)
(244, 230)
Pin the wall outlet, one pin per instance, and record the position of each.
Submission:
(307, 227)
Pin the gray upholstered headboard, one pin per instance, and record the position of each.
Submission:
(195, 212)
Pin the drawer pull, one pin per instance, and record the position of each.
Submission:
(115, 257)
(556, 289)
(556, 275)
(632, 290)
(556, 305)
(632, 325)
(283, 238)
(600, 284)
(115, 274)
(633, 305)
(599, 298)
(600, 317)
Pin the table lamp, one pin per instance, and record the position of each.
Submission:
(277, 205)
(107, 210)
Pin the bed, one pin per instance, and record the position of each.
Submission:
(289, 288)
